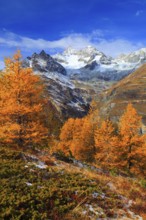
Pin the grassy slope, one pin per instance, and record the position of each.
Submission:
(131, 89)
(63, 191)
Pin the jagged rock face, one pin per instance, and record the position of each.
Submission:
(67, 100)
(45, 63)
(91, 66)
(64, 96)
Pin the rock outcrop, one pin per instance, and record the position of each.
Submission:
(66, 98)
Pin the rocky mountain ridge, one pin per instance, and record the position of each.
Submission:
(43, 62)
(63, 94)
(78, 63)
(74, 77)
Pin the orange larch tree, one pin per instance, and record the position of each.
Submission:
(76, 139)
(22, 100)
(82, 146)
(131, 152)
(66, 136)
(75, 143)
(77, 136)
(105, 142)
(86, 147)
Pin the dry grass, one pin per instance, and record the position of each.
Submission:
(131, 89)
(127, 187)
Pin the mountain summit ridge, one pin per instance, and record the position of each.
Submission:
(91, 63)
(70, 88)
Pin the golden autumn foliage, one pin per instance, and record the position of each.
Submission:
(22, 102)
(77, 136)
(82, 145)
(66, 136)
(131, 152)
(89, 140)
(105, 143)
(75, 144)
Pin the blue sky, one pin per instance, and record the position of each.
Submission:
(114, 27)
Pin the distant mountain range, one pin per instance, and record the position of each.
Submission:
(89, 63)
(74, 77)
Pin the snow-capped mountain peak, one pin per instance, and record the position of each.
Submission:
(44, 63)
(70, 51)
(89, 63)
(75, 76)
(76, 59)
(138, 56)
(90, 51)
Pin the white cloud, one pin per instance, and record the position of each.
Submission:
(74, 40)
(117, 47)
(97, 39)
(139, 12)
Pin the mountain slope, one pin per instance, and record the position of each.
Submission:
(44, 63)
(131, 89)
(39, 186)
(63, 94)
(75, 77)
